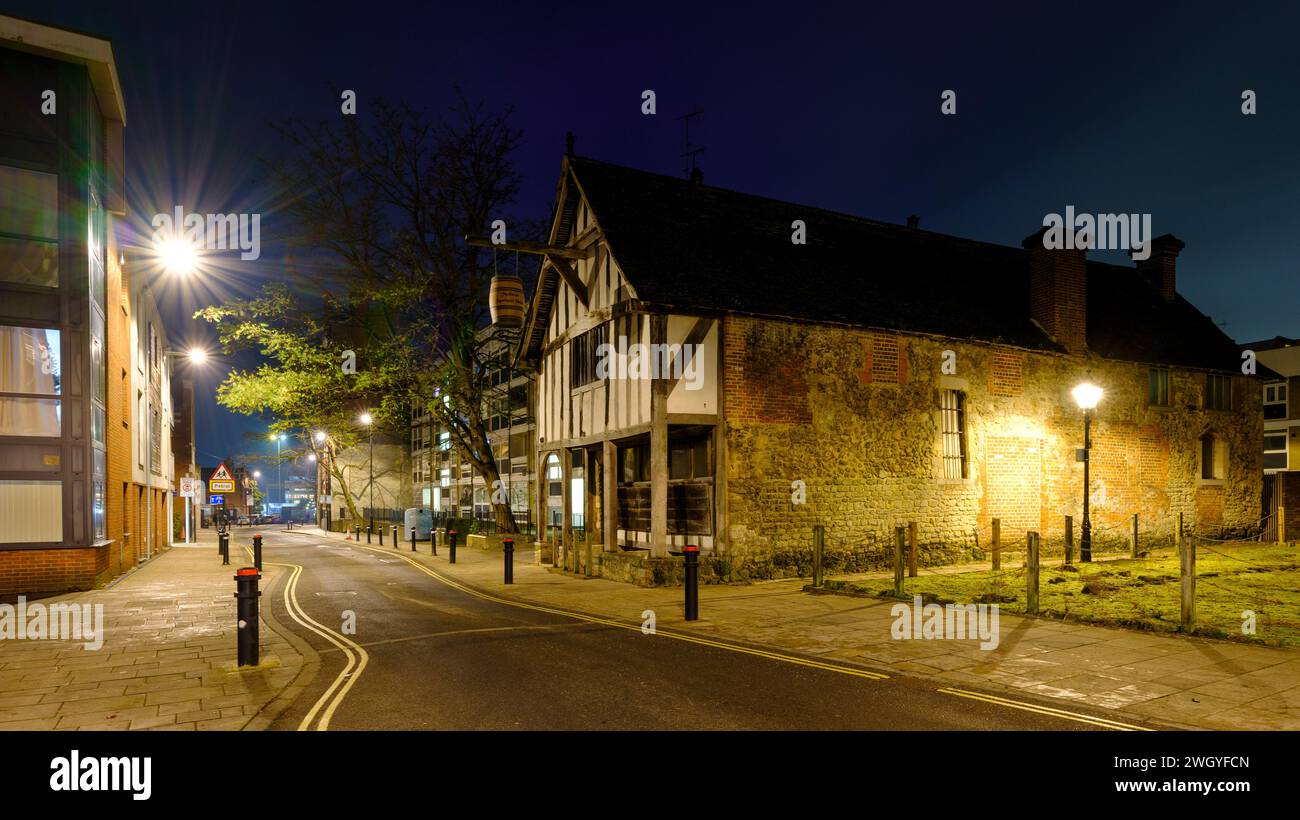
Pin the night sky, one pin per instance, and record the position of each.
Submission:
(1107, 107)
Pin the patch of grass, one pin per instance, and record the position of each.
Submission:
(1139, 593)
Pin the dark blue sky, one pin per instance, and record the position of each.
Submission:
(1106, 107)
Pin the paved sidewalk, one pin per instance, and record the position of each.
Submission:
(1175, 680)
(167, 661)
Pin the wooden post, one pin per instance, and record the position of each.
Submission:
(658, 444)
(911, 549)
(1133, 540)
(1178, 536)
(1188, 565)
(1031, 592)
(1069, 540)
(609, 495)
(997, 544)
(566, 506)
(899, 546)
(819, 546)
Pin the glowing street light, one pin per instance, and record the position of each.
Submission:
(1086, 395)
(178, 256)
(197, 355)
(368, 420)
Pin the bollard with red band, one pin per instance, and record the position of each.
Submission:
(395, 539)
(692, 582)
(451, 546)
(257, 551)
(246, 595)
(508, 545)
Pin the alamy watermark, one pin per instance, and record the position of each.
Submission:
(951, 622)
(652, 361)
(1100, 232)
(53, 622)
(212, 232)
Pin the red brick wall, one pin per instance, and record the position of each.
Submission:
(26, 572)
(1058, 294)
(764, 369)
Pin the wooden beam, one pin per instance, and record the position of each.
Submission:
(596, 262)
(570, 276)
(658, 448)
(609, 496)
(538, 248)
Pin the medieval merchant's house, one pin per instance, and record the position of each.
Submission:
(818, 391)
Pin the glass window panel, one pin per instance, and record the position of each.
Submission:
(29, 361)
(31, 511)
(1275, 461)
(29, 203)
(29, 262)
(30, 417)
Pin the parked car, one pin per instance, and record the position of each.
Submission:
(242, 521)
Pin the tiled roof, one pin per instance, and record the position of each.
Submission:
(691, 247)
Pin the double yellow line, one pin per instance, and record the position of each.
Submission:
(677, 636)
(1049, 711)
(357, 657)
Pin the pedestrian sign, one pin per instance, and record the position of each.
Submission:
(222, 480)
(216, 500)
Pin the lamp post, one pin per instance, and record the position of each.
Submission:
(368, 421)
(1086, 395)
(323, 510)
(196, 356)
(278, 438)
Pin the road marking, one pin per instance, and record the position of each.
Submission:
(1105, 723)
(678, 636)
(340, 686)
(455, 632)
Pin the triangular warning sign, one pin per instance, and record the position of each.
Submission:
(222, 474)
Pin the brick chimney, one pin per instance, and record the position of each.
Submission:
(1158, 268)
(1058, 292)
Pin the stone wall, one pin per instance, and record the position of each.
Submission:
(854, 415)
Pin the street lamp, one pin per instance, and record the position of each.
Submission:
(1086, 395)
(196, 356)
(278, 438)
(368, 420)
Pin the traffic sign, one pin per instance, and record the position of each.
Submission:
(221, 481)
(216, 500)
(187, 487)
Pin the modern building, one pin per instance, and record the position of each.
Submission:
(80, 343)
(445, 482)
(1279, 358)
(728, 371)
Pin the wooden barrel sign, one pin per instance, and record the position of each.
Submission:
(507, 301)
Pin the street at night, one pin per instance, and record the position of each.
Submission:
(684, 400)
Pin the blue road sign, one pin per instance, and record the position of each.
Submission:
(217, 499)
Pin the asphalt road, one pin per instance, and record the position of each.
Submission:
(436, 657)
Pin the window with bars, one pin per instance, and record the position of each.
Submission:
(1218, 392)
(1158, 387)
(952, 410)
(585, 354)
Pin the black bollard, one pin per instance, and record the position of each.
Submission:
(381, 535)
(508, 544)
(257, 551)
(433, 540)
(246, 595)
(692, 583)
(451, 546)
(358, 533)
(367, 534)
(412, 539)
(225, 549)
(395, 544)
